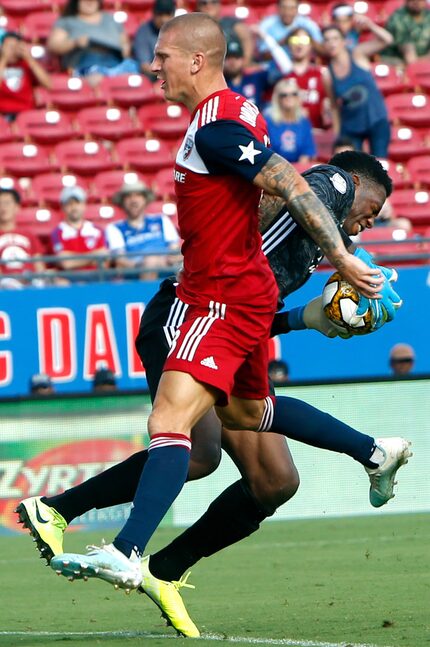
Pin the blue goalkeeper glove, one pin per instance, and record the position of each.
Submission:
(384, 309)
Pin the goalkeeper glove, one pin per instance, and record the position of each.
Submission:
(312, 316)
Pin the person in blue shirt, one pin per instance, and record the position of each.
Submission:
(289, 130)
(147, 241)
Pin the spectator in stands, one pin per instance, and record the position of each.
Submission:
(254, 83)
(232, 27)
(90, 42)
(342, 143)
(41, 384)
(279, 372)
(290, 131)
(343, 16)
(410, 28)
(363, 114)
(402, 359)
(104, 380)
(147, 34)
(16, 245)
(281, 24)
(19, 72)
(75, 235)
(142, 241)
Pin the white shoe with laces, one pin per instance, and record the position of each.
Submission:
(103, 562)
(395, 453)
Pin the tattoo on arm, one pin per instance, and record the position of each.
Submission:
(270, 206)
(279, 178)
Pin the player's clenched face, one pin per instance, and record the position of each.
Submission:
(368, 201)
(172, 65)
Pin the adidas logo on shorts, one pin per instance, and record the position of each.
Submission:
(209, 362)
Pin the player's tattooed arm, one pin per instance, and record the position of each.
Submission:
(270, 206)
(278, 177)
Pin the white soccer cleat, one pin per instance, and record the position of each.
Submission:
(104, 562)
(396, 453)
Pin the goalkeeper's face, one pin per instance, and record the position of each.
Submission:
(368, 201)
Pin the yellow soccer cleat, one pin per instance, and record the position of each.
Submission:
(45, 524)
(168, 599)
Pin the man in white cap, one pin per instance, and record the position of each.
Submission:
(146, 241)
(75, 235)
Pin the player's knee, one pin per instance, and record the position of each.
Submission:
(278, 489)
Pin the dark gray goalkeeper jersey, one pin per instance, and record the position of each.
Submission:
(291, 252)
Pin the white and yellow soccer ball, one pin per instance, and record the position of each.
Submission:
(340, 304)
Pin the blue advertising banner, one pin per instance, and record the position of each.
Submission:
(67, 332)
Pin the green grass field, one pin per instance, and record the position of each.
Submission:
(317, 583)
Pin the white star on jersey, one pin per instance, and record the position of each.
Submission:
(248, 152)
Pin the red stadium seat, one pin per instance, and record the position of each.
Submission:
(164, 183)
(168, 121)
(45, 126)
(419, 171)
(144, 154)
(393, 244)
(40, 221)
(102, 214)
(83, 157)
(324, 140)
(7, 133)
(406, 143)
(418, 74)
(414, 205)
(398, 174)
(46, 187)
(19, 184)
(22, 7)
(24, 160)
(107, 183)
(389, 78)
(106, 123)
(129, 21)
(67, 93)
(127, 90)
(409, 108)
(37, 25)
(9, 23)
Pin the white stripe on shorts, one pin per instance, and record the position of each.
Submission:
(198, 330)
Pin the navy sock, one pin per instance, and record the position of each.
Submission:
(162, 479)
(300, 421)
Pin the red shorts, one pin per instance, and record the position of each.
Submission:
(225, 347)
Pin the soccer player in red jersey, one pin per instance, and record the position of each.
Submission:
(219, 357)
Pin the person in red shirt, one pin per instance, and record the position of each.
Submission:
(219, 355)
(16, 245)
(19, 72)
(75, 235)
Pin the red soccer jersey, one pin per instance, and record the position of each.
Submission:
(84, 240)
(15, 248)
(223, 149)
(16, 88)
(313, 93)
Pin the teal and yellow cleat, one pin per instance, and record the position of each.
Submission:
(396, 452)
(168, 599)
(45, 524)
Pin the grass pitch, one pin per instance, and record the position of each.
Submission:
(317, 583)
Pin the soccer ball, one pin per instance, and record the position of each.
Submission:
(340, 300)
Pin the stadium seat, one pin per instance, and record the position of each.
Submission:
(393, 245)
(164, 183)
(398, 174)
(127, 90)
(83, 157)
(39, 221)
(418, 74)
(409, 108)
(7, 133)
(106, 123)
(45, 126)
(324, 140)
(406, 143)
(389, 78)
(102, 214)
(414, 205)
(19, 184)
(105, 184)
(37, 25)
(129, 21)
(419, 171)
(67, 93)
(22, 7)
(46, 187)
(24, 160)
(144, 154)
(167, 121)
(9, 23)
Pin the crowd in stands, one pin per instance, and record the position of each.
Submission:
(87, 142)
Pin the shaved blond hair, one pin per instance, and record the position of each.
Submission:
(198, 32)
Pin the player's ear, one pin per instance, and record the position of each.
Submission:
(196, 62)
(356, 179)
